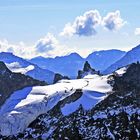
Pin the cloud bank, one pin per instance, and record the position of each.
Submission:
(47, 46)
(86, 24)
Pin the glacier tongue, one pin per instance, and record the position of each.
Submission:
(27, 104)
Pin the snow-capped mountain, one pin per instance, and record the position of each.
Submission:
(101, 60)
(17, 64)
(70, 64)
(130, 57)
(94, 107)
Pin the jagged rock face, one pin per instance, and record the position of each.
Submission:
(87, 67)
(129, 80)
(10, 82)
(117, 117)
(58, 77)
(86, 70)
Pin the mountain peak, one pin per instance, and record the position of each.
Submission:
(74, 55)
(87, 67)
(86, 70)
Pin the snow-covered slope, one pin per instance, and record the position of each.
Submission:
(17, 64)
(25, 105)
(17, 68)
(121, 71)
(93, 92)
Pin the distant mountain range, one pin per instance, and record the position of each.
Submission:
(70, 64)
(17, 64)
(130, 57)
(44, 69)
(65, 65)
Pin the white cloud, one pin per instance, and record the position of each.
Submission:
(137, 31)
(48, 46)
(83, 25)
(113, 21)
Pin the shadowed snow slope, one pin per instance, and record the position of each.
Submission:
(25, 105)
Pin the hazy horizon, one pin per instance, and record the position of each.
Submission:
(52, 28)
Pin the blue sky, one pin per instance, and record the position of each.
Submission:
(30, 20)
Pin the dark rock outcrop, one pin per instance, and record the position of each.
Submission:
(86, 70)
(129, 80)
(10, 82)
(58, 77)
(87, 67)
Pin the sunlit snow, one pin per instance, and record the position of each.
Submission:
(25, 105)
(17, 68)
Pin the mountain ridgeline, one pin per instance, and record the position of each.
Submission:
(70, 64)
(17, 64)
(131, 56)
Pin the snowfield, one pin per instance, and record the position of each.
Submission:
(25, 105)
(121, 71)
(93, 92)
(17, 68)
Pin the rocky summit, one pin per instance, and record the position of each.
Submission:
(86, 70)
